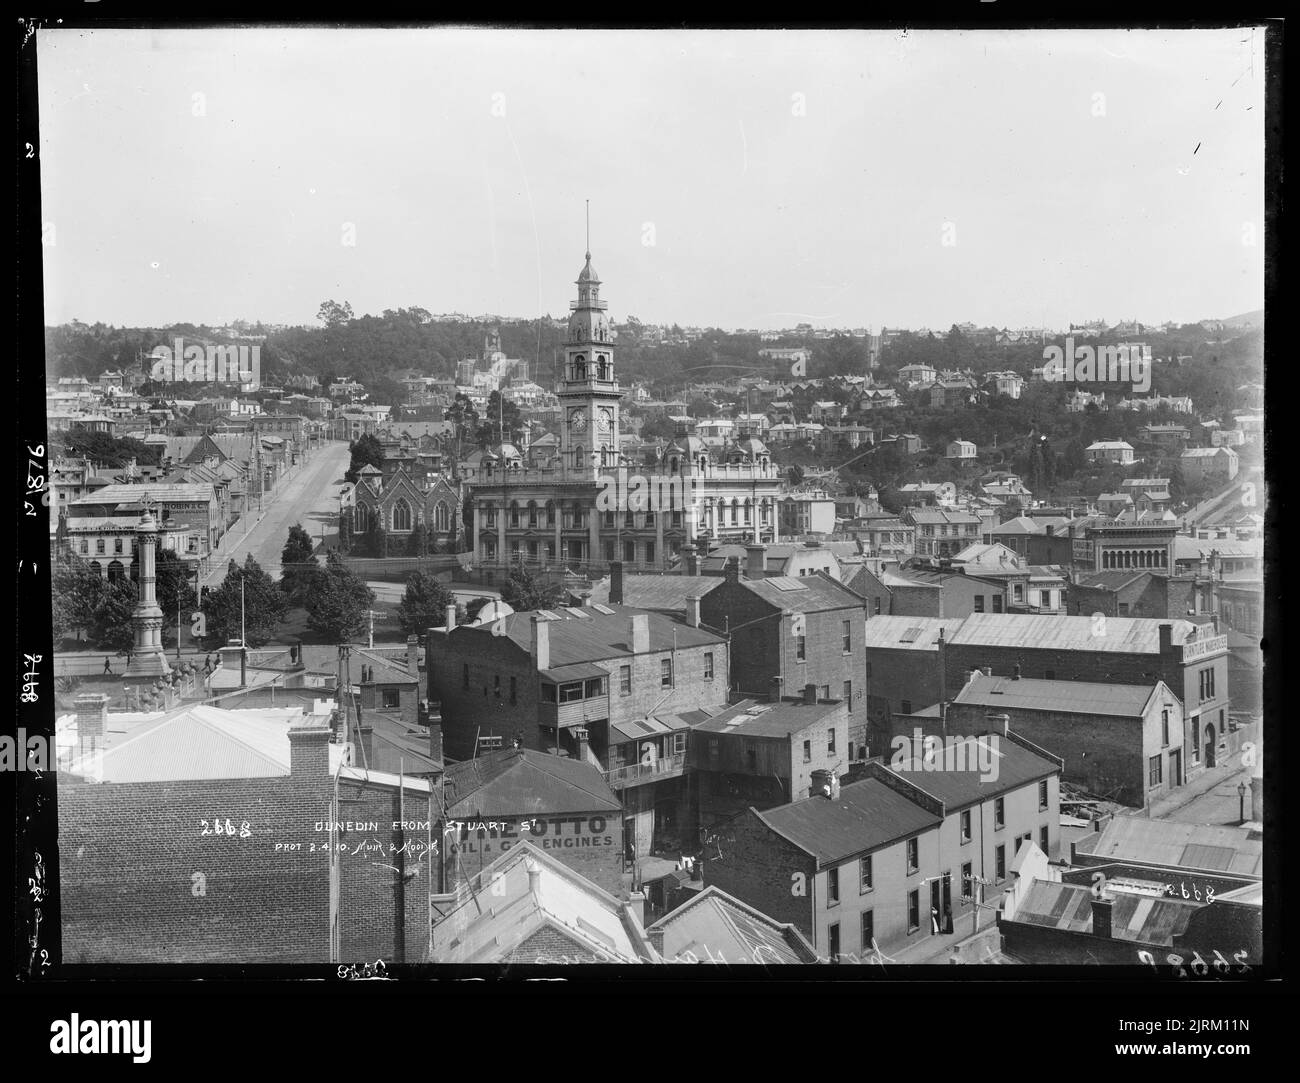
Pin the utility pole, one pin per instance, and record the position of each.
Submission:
(243, 642)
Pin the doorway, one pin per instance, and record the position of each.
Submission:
(1176, 767)
(1209, 745)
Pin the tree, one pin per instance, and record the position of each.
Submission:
(462, 414)
(366, 449)
(75, 595)
(473, 606)
(523, 591)
(333, 314)
(111, 628)
(172, 586)
(345, 530)
(794, 473)
(336, 610)
(501, 422)
(298, 566)
(263, 604)
(418, 541)
(424, 604)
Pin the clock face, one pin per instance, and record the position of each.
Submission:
(605, 419)
(577, 420)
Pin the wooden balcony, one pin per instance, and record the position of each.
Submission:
(637, 774)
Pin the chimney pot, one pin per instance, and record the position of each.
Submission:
(756, 561)
(774, 689)
(693, 610)
(810, 694)
(451, 616)
(616, 582)
(640, 633)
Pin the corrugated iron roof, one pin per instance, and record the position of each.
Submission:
(1127, 635)
(1172, 844)
(804, 593)
(1073, 697)
(909, 633)
(1010, 765)
(715, 926)
(519, 781)
(667, 593)
(867, 815)
(751, 718)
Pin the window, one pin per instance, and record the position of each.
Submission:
(807, 752)
(1000, 863)
(1049, 675)
(1000, 812)
(997, 603)
(913, 911)
(1042, 795)
(1022, 839)
(629, 552)
(708, 665)
(979, 603)
(1196, 751)
(864, 875)
(392, 697)
(99, 551)
(464, 675)
(549, 694)
(1123, 609)
(594, 688)
(833, 941)
(965, 826)
(1207, 683)
(1044, 839)
(649, 552)
(967, 885)
(868, 929)
(571, 693)
(665, 673)
(1164, 726)
(913, 854)
(832, 887)
(848, 636)
(85, 546)
(624, 680)
(117, 546)
(496, 683)
(514, 690)
(906, 706)
(608, 546)
(1155, 771)
(801, 648)
(848, 696)
(830, 743)
(875, 607)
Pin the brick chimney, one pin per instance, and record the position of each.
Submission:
(731, 573)
(540, 646)
(309, 757)
(1166, 639)
(691, 556)
(616, 582)
(755, 561)
(1101, 917)
(413, 655)
(430, 716)
(693, 610)
(809, 694)
(580, 735)
(774, 689)
(656, 937)
(640, 633)
(92, 717)
(451, 617)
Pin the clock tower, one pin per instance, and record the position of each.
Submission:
(588, 393)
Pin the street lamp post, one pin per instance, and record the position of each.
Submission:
(1241, 801)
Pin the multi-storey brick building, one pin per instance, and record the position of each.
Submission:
(612, 686)
(801, 630)
(757, 754)
(902, 854)
(942, 532)
(1126, 742)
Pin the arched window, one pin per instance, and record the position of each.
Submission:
(532, 513)
(441, 517)
(361, 518)
(749, 512)
(115, 571)
(401, 516)
(549, 514)
(96, 567)
(580, 367)
(514, 513)
(578, 460)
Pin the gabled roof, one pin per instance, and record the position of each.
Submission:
(1069, 697)
(587, 634)
(909, 633)
(803, 593)
(715, 926)
(750, 718)
(1134, 917)
(1124, 635)
(1010, 766)
(1205, 847)
(519, 781)
(524, 892)
(867, 815)
(665, 593)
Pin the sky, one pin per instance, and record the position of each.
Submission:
(737, 179)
